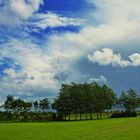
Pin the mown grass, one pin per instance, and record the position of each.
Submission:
(106, 129)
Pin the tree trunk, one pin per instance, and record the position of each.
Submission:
(86, 116)
(97, 115)
(76, 116)
(100, 115)
(65, 117)
(69, 116)
(80, 116)
(90, 116)
(108, 113)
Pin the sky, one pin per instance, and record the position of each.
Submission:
(44, 43)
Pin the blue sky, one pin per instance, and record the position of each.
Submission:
(46, 43)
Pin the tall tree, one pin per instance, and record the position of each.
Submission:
(84, 98)
(8, 104)
(110, 97)
(44, 104)
(36, 105)
(129, 100)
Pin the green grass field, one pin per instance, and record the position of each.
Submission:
(106, 129)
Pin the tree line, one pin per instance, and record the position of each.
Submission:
(20, 110)
(89, 98)
(76, 99)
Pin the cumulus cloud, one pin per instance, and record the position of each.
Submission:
(18, 10)
(135, 59)
(106, 56)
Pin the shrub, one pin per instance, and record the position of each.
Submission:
(123, 114)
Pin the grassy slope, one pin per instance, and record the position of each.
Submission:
(107, 129)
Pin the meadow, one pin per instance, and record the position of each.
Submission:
(105, 129)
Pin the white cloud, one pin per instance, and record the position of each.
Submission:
(106, 56)
(44, 20)
(19, 76)
(118, 28)
(42, 69)
(39, 68)
(135, 58)
(96, 37)
(109, 11)
(14, 11)
(102, 80)
(24, 9)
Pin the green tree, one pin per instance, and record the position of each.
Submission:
(57, 105)
(44, 104)
(63, 102)
(88, 99)
(98, 100)
(8, 104)
(27, 106)
(110, 98)
(36, 106)
(74, 99)
(129, 100)
(84, 98)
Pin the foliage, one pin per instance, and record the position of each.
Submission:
(73, 99)
(44, 104)
(123, 114)
(84, 98)
(129, 100)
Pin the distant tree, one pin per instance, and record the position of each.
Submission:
(18, 105)
(84, 98)
(99, 100)
(27, 106)
(129, 100)
(74, 95)
(103, 98)
(57, 105)
(44, 104)
(78, 97)
(63, 103)
(36, 105)
(65, 100)
(88, 99)
(8, 104)
(110, 97)
(138, 101)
